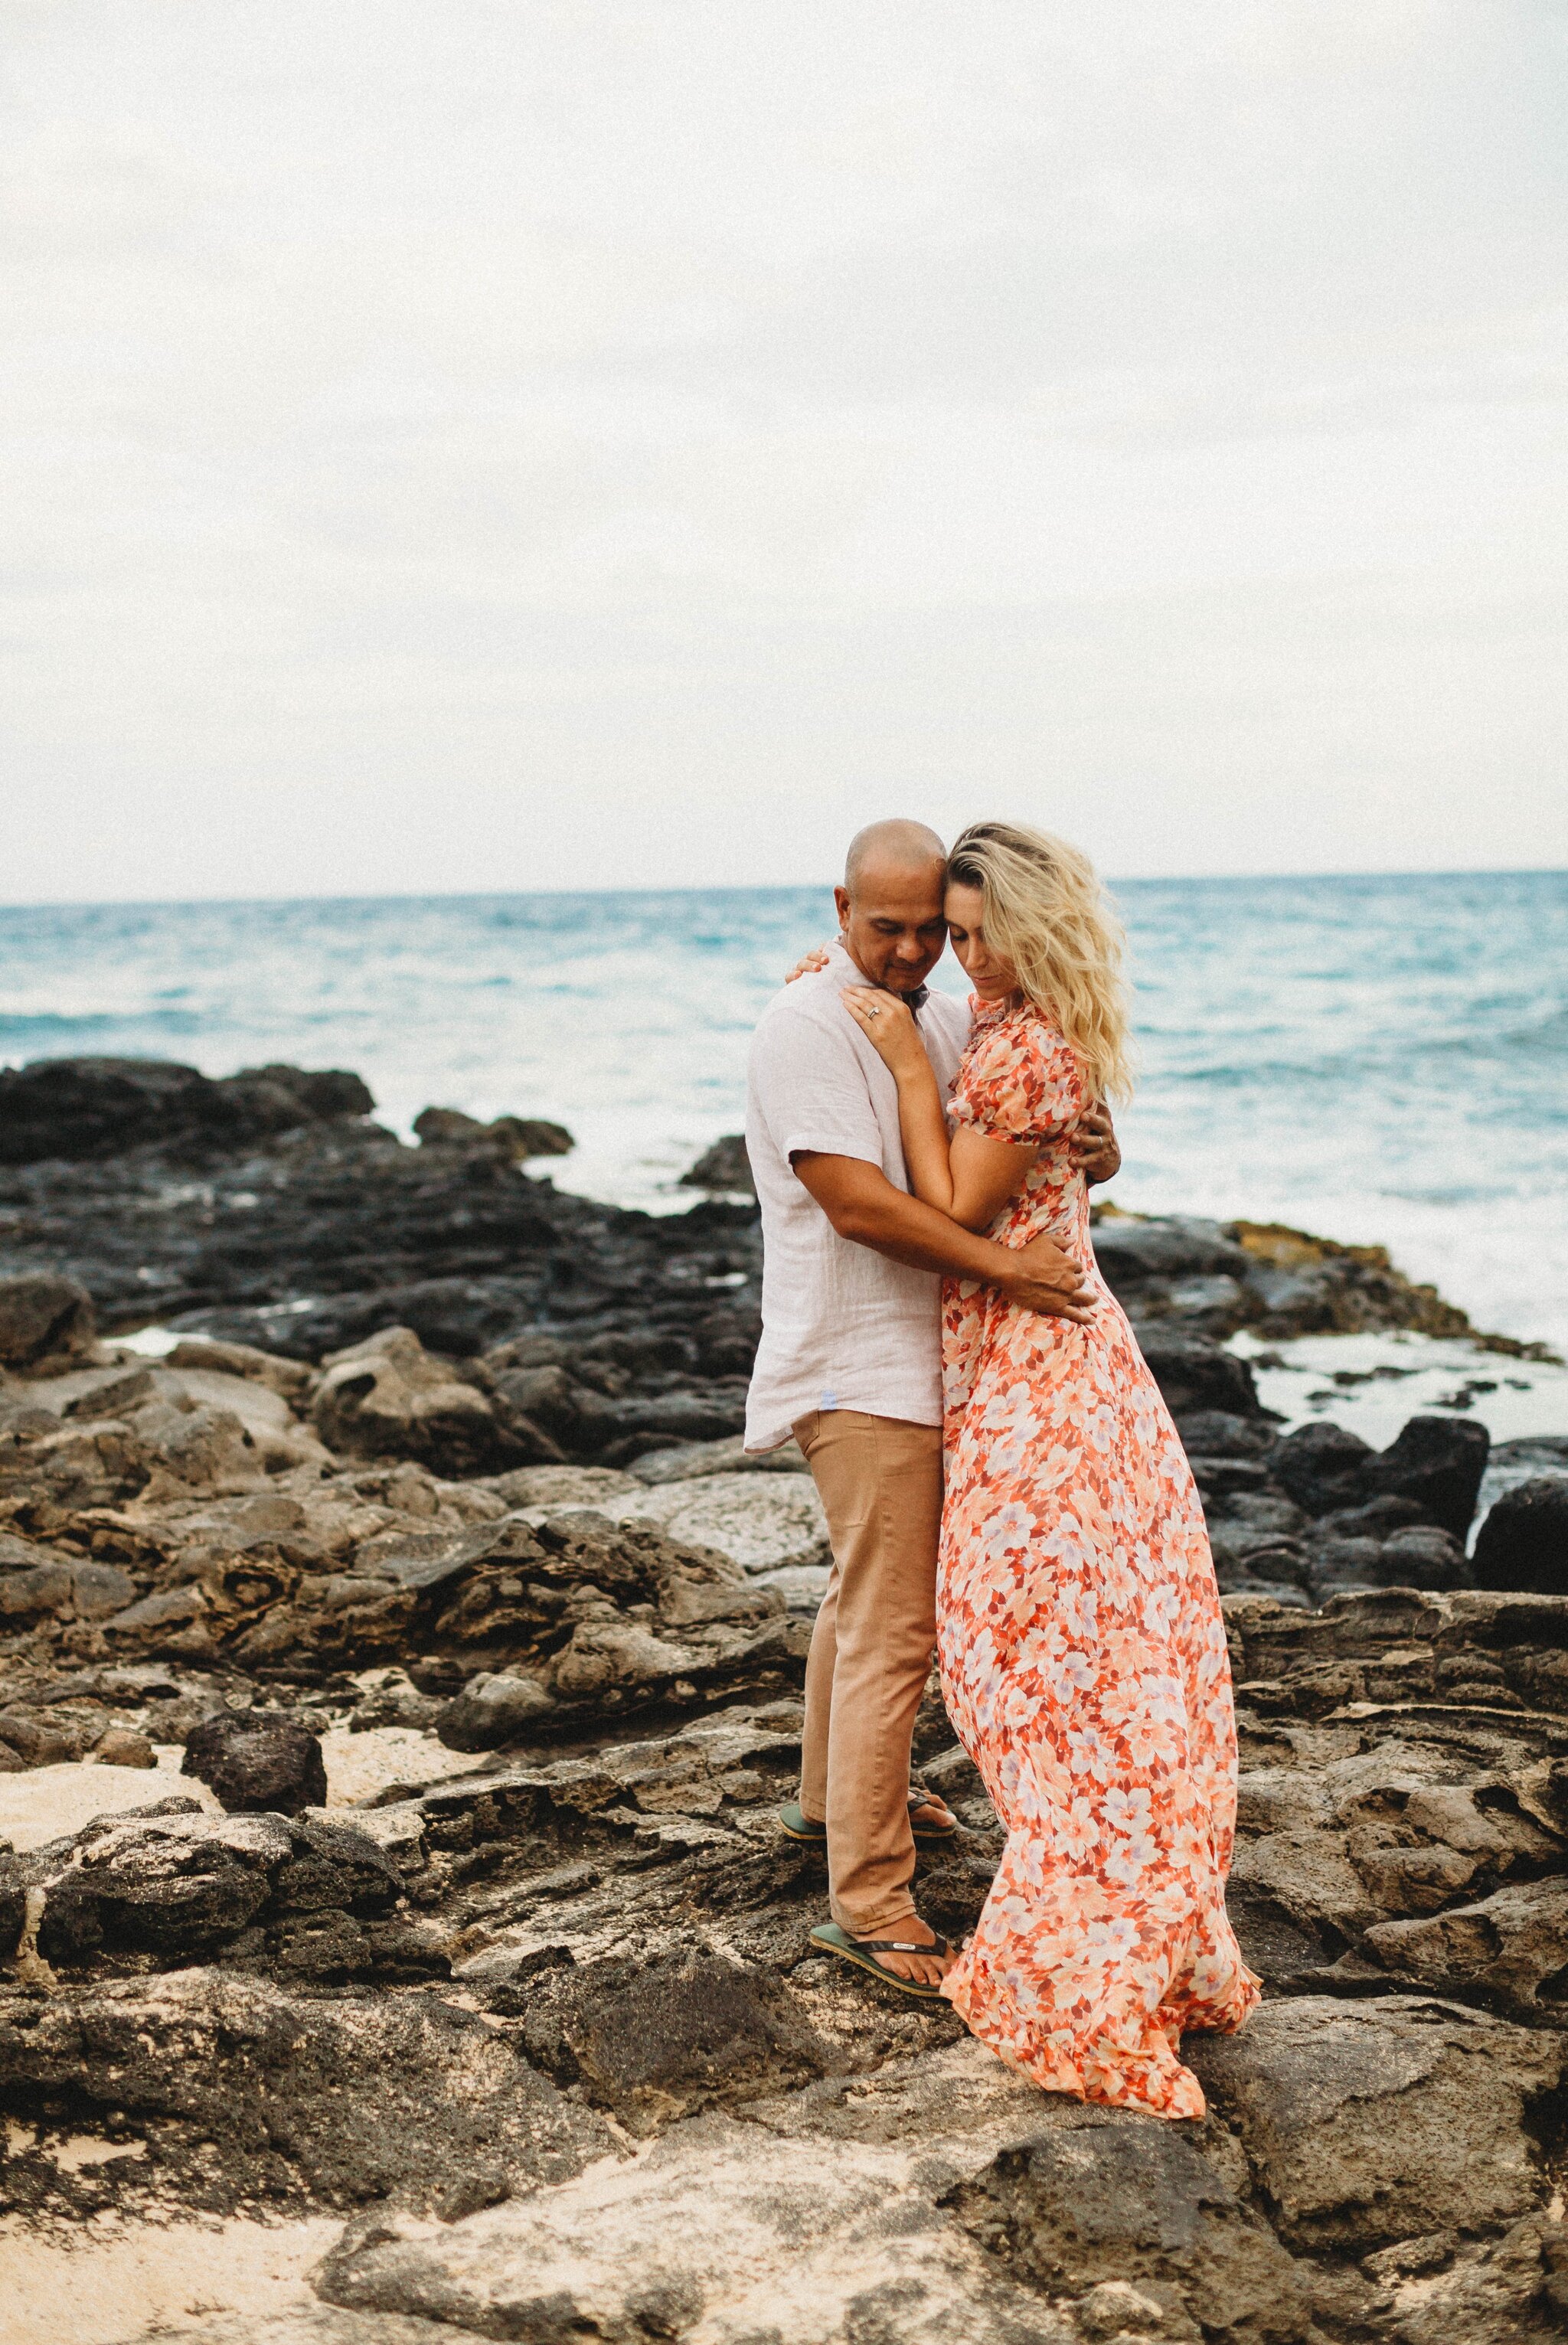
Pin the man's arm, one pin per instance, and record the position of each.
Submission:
(863, 1205)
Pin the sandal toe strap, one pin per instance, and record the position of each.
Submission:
(898, 1946)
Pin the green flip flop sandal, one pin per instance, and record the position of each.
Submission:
(799, 1826)
(863, 1952)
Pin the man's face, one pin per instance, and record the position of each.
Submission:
(893, 925)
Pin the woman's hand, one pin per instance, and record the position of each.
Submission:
(809, 964)
(888, 1025)
(1096, 1152)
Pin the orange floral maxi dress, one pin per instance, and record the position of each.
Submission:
(1082, 1649)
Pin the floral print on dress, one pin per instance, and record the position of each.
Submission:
(1082, 1649)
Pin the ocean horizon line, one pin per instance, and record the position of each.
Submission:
(753, 887)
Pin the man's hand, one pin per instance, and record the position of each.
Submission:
(1096, 1152)
(1047, 1281)
(864, 1207)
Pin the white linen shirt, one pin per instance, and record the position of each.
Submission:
(842, 1327)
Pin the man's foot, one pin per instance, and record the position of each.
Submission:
(929, 1819)
(920, 1970)
(901, 1959)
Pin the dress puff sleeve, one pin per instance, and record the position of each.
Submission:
(1019, 1082)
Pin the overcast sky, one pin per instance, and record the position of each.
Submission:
(470, 446)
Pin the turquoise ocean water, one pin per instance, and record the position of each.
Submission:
(1382, 1059)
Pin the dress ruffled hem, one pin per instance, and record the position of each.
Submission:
(1093, 2065)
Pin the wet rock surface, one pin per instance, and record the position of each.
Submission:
(447, 1461)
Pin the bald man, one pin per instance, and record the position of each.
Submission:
(850, 1364)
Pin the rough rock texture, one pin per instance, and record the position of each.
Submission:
(446, 1453)
(43, 1317)
(258, 1763)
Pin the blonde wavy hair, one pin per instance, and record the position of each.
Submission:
(1048, 917)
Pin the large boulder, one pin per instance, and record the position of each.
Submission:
(1371, 2122)
(1524, 1542)
(653, 2040)
(324, 1094)
(43, 1317)
(1323, 1468)
(258, 1762)
(1438, 1462)
(1193, 1373)
(725, 1168)
(1432, 1469)
(387, 1397)
(1132, 1255)
(514, 1137)
(494, 1709)
(1087, 2201)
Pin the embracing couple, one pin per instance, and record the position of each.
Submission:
(1001, 1476)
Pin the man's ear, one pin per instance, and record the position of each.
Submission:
(841, 906)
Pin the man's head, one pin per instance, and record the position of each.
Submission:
(890, 906)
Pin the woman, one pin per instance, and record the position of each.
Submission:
(1079, 1631)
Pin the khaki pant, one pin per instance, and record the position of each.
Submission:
(880, 1480)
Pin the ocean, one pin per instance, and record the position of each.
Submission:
(1378, 1059)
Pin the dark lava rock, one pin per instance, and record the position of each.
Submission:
(1436, 1462)
(1424, 1556)
(1379, 1519)
(458, 1317)
(1131, 1253)
(725, 1166)
(514, 1137)
(1217, 1433)
(87, 1107)
(1524, 1542)
(327, 1092)
(1323, 1467)
(652, 2041)
(74, 1108)
(1431, 1472)
(1193, 1373)
(307, 1895)
(1364, 2124)
(258, 1762)
(491, 1712)
(37, 1742)
(1097, 2199)
(358, 2099)
(42, 1315)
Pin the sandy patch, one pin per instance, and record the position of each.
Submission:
(111, 2284)
(358, 1765)
(46, 1802)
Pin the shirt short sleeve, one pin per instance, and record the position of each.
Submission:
(1020, 1083)
(811, 1090)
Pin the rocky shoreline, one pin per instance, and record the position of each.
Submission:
(439, 1492)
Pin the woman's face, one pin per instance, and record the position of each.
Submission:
(991, 977)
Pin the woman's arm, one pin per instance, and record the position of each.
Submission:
(970, 1178)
